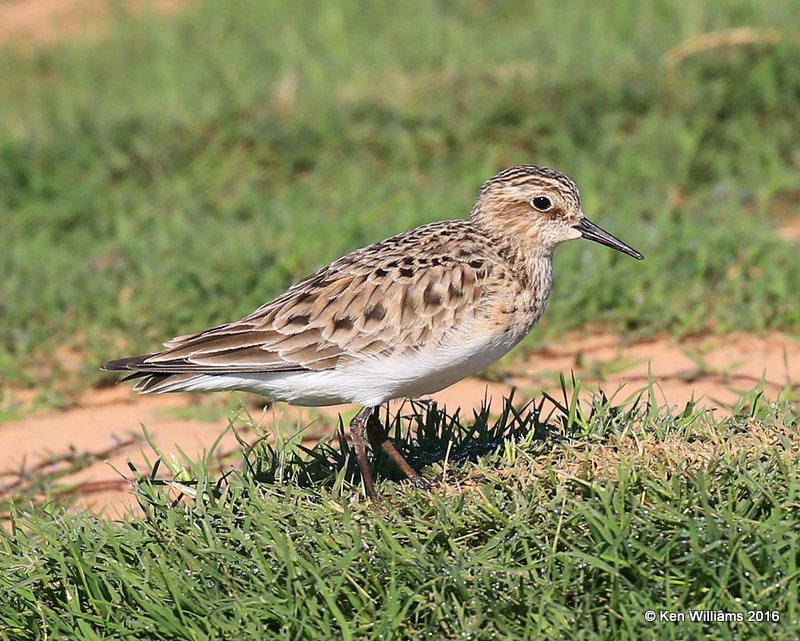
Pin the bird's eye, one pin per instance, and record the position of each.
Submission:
(542, 203)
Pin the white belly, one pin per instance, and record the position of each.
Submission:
(370, 381)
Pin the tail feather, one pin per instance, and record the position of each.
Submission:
(128, 364)
(151, 382)
(160, 383)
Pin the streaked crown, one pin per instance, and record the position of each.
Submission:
(523, 177)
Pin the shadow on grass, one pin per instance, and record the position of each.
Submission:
(426, 434)
(434, 441)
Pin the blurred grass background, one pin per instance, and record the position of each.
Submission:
(177, 172)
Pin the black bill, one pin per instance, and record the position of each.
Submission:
(590, 231)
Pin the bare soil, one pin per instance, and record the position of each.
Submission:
(106, 423)
(25, 22)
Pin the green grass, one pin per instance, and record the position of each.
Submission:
(181, 171)
(569, 525)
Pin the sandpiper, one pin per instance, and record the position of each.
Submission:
(403, 317)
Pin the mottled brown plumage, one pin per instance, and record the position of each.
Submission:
(406, 316)
(392, 296)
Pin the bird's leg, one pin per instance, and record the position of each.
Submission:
(378, 434)
(357, 425)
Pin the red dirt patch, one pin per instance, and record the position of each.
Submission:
(106, 423)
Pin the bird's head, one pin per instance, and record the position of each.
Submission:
(538, 207)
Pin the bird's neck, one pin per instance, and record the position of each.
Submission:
(531, 266)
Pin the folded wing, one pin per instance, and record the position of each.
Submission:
(382, 299)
